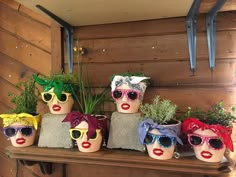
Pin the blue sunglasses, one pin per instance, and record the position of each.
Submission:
(163, 140)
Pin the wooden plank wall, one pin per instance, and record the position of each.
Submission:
(157, 48)
(25, 48)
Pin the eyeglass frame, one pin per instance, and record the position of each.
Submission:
(53, 95)
(125, 93)
(157, 138)
(18, 129)
(82, 132)
(204, 139)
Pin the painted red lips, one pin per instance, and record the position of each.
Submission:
(20, 140)
(86, 145)
(158, 152)
(56, 107)
(125, 106)
(206, 154)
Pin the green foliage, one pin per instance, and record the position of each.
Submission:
(64, 78)
(216, 115)
(27, 100)
(89, 101)
(161, 111)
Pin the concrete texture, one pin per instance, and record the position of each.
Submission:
(54, 133)
(124, 131)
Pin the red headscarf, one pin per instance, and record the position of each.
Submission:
(189, 125)
(75, 118)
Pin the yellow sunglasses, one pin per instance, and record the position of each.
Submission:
(48, 96)
(76, 133)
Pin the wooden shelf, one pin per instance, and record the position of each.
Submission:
(118, 158)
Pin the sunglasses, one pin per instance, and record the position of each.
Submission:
(163, 140)
(76, 133)
(12, 131)
(212, 141)
(48, 96)
(130, 94)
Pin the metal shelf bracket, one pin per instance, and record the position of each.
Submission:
(191, 22)
(69, 35)
(211, 31)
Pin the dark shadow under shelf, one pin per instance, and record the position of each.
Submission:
(117, 158)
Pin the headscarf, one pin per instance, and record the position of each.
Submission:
(148, 124)
(190, 125)
(58, 86)
(134, 82)
(24, 118)
(75, 118)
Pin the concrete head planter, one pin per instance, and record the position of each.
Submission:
(209, 142)
(160, 141)
(87, 130)
(128, 91)
(20, 128)
(58, 92)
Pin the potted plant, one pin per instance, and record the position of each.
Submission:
(159, 130)
(21, 124)
(209, 132)
(89, 124)
(59, 91)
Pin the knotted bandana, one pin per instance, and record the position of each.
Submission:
(75, 118)
(24, 118)
(148, 124)
(58, 86)
(134, 82)
(189, 125)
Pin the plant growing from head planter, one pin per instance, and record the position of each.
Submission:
(209, 132)
(159, 129)
(59, 91)
(88, 128)
(21, 123)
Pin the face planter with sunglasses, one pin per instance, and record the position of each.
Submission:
(21, 128)
(207, 145)
(20, 135)
(87, 130)
(85, 143)
(160, 141)
(209, 142)
(159, 146)
(127, 100)
(127, 92)
(62, 105)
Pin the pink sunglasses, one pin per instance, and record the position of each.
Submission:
(130, 94)
(213, 141)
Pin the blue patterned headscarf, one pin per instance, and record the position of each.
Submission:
(148, 124)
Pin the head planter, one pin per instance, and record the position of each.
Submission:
(58, 86)
(189, 125)
(75, 118)
(134, 82)
(148, 124)
(24, 118)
